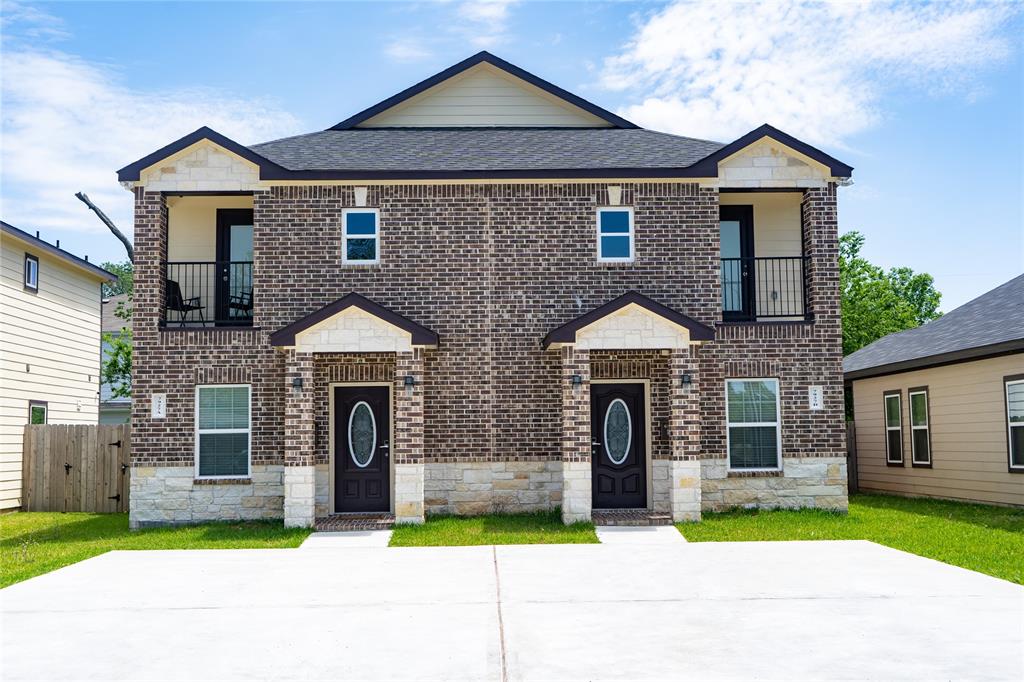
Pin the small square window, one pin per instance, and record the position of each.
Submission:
(37, 411)
(615, 239)
(360, 236)
(31, 272)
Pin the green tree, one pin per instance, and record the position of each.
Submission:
(875, 302)
(117, 365)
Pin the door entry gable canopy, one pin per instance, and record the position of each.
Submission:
(630, 321)
(354, 323)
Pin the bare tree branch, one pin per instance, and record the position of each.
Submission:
(84, 198)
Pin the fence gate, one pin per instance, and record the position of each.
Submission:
(75, 467)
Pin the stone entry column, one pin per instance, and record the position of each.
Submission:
(684, 432)
(407, 448)
(576, 476)
(299, 440)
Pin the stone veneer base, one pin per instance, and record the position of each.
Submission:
(812, 482)
(576, 494)
(161, 496)
(299, 496)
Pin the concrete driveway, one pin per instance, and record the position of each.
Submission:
(799, 610)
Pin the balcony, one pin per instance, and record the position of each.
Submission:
(202, 294)
(769, 289)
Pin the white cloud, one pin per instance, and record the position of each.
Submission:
(484, 22)
(69, 124)
(407, 50)
(720, 69)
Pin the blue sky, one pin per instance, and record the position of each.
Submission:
(926, 101)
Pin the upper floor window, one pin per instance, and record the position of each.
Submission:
(1015, 421)
(360, 236)
(753, 434)
(31, 273)
(920, 441)
(615, 238)
(893, 428)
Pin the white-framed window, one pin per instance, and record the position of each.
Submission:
(223, 431)
(38, 411)
(893, 402)
(615, 238)
(1014, 386)
(920, 440)
(753, 424)
(31, 272)
(360, 236)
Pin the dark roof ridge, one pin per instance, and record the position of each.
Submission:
(57, 251)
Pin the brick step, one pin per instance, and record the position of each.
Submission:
(354, 521)
(630, 517)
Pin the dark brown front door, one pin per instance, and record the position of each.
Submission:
(619, 451)
(362, 457)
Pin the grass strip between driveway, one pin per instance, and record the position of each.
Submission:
(536, 528)
(33, 543)
(979, 537)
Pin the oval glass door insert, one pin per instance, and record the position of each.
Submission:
(362, 434)
(618, 431)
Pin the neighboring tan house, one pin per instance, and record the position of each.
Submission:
(485, 293)
(49, 344)
(939, 409)
(114, 409)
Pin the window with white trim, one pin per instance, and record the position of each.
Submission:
(1015, 421)
(893, 401)
(38, 411)
(360, 241)
(753, 429)
(31, 272)
(223, 431)
(920, 440)
(615, 238)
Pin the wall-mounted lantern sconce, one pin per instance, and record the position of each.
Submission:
(577, 380)
(297, 383)
(409, 381)
(686, 379)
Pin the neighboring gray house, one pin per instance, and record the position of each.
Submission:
(939, 409)
(113, 410)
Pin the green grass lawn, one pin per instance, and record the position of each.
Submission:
(979, 537)
(33, 543)
(538, 528)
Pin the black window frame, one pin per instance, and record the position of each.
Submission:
(927, 427)
(39, 403)
(1007, 380)
(29, 258)
(898, 393)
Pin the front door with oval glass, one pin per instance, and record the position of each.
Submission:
(362, 444)
(618, 446)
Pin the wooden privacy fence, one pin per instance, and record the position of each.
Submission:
(851, 457)
(75, 467)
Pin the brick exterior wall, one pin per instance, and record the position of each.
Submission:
(491, 268)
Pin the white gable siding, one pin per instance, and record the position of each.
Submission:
(56, 332)
(484, 96)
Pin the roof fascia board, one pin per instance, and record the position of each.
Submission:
(268, 168)
(497, 62)
(70, 259)
(953, 357)
(567, 332)
(708, 166)
(421, 336)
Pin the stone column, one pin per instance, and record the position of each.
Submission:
(684, 432)
(407, 448)
(577, 498)
(299, 442)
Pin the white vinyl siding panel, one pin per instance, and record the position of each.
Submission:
(56, 332)
(967, 419)
(485, 96)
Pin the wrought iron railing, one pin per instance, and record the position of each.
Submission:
(764, 288)
(208, 294)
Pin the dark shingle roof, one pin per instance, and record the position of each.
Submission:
(484, 149)
(990, 323)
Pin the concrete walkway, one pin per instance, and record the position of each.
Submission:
(639, 535)
(707, 611)
(346, 539)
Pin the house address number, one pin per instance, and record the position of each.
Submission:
(815, 398)
(159, 405)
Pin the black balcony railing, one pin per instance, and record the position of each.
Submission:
(764, 288)
(208, 294)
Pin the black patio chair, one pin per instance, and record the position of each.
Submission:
(183, 306)
(241, 302)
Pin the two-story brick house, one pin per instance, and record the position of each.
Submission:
(485, 293)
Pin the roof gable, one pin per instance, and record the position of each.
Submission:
(708, 166)
(484, 91)
(419, 335)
